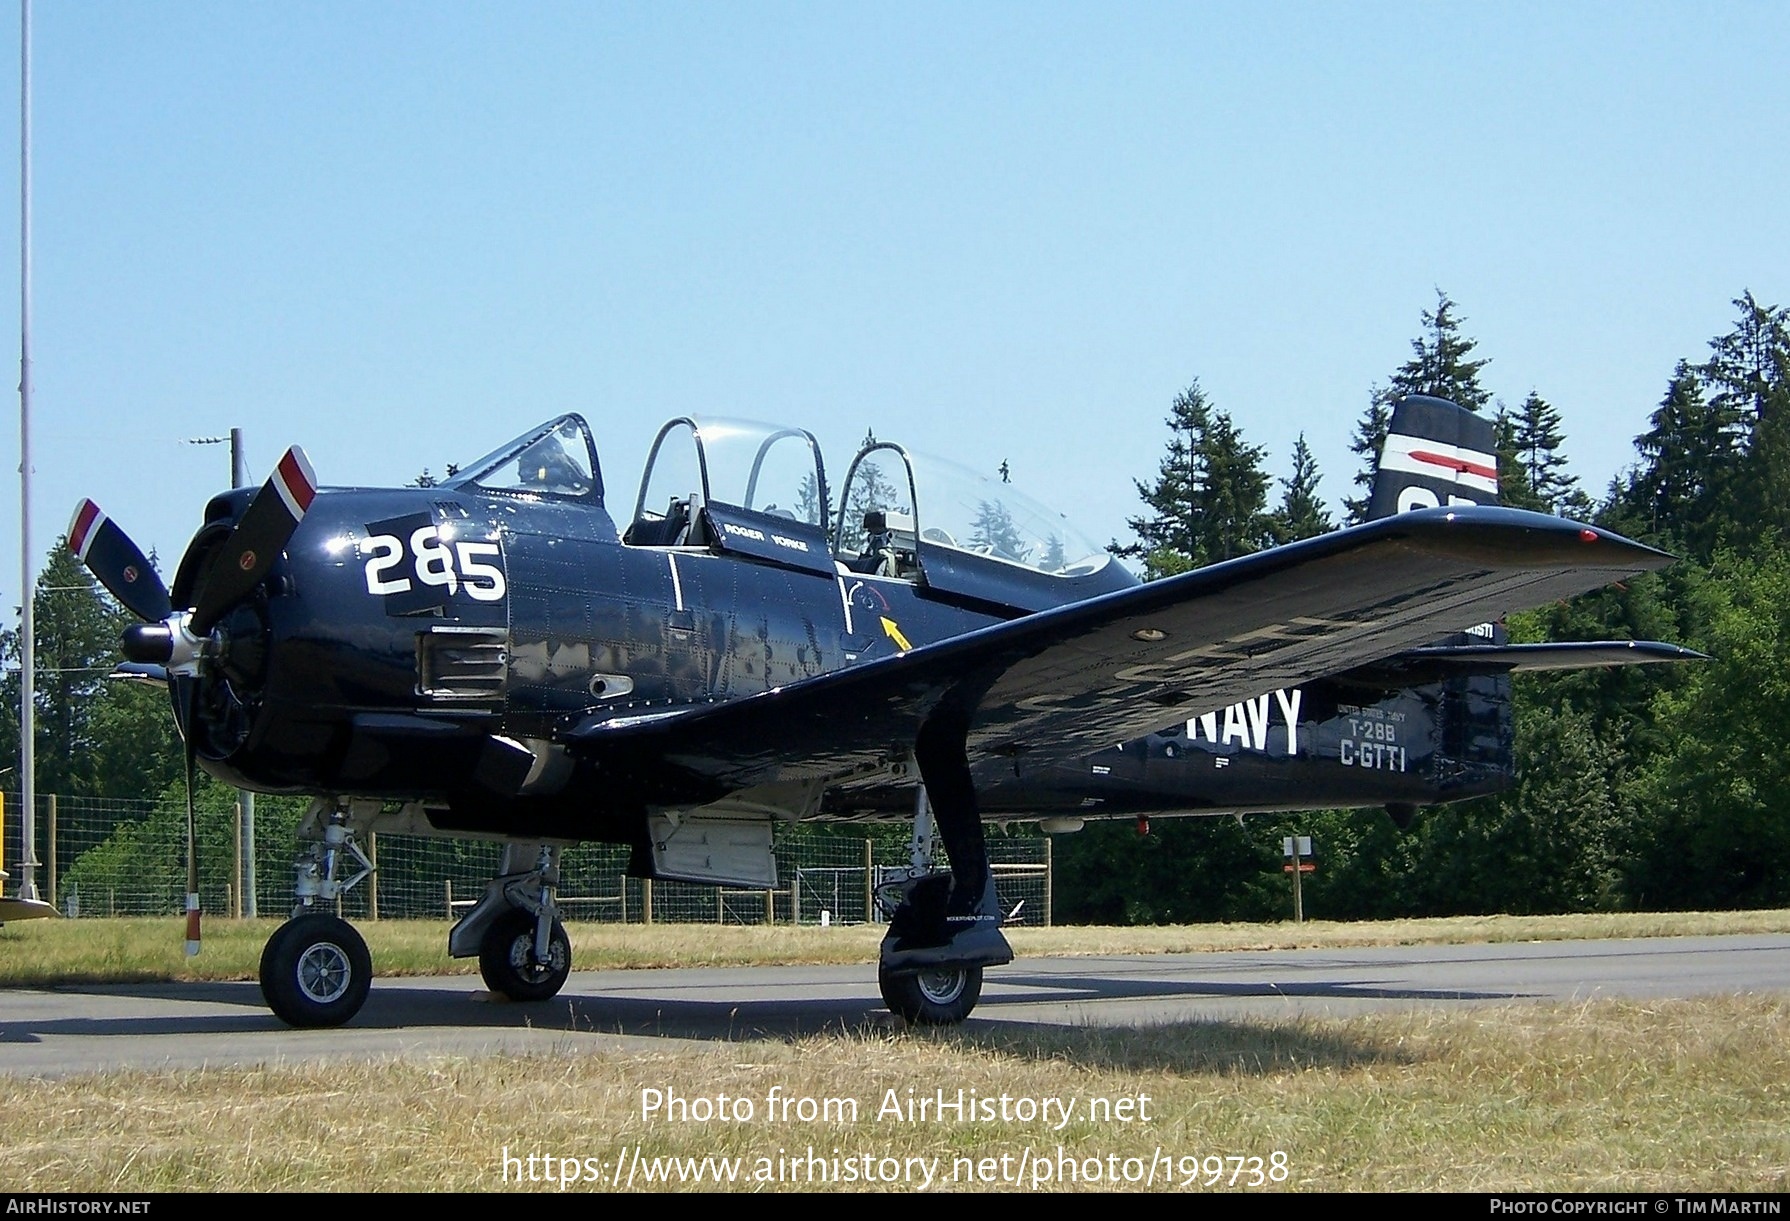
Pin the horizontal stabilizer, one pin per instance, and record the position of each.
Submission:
(1439, 662)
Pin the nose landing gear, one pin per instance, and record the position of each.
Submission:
(316, 970)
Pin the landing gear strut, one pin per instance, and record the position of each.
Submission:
(315, 969)
(515, 930)
(944, 928)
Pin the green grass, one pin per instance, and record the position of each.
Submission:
(128, 950)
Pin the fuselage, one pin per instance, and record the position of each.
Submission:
(434, 644)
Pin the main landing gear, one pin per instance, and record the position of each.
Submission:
(939, 940)
(523, 949)
(316, 970)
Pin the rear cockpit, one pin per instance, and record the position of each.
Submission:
(735, 487)
(958, 533)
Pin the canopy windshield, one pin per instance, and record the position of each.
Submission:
(555, 459)
(946, 506)
(990, 517)
(963, 535)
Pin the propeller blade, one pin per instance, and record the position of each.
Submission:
(256, 542)
(117, 563)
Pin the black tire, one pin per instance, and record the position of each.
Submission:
(507, 958)
(315, 971)
(932, 998)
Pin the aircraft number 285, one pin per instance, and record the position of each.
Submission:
(434, 561)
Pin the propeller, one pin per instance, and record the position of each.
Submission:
(117, 563)
(174, 643)
(256, 542)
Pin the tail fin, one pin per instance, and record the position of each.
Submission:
(1435, 454)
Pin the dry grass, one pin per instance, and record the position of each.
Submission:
(1610, 1095)
(49, 952)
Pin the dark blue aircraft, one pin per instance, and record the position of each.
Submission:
(498, 657)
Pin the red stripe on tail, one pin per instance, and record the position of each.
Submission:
(1455, 464)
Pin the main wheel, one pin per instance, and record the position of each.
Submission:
(932, 998)
(508, 963)
(315, 971)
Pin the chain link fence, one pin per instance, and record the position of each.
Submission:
(101, 857)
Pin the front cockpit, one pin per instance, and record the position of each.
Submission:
(558, 459)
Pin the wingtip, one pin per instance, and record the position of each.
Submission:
(1568, 539)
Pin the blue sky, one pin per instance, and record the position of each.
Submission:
(399, 233)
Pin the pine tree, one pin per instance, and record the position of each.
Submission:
(1235, 495)
(1748, 377)
(1209, 495)
(75, 629)
(1301, 514)
(811, 506)
(1750, 365)
(1536, 439)
(1368, 441)
(1168, 541)
(1690, 460)
(993, 531)
(1439, 366)
(872, 489)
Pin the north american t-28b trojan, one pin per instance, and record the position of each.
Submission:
(497, 657)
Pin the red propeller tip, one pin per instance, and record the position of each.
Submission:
(295, 482)
(81, 530)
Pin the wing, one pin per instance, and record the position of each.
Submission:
(1065, 682)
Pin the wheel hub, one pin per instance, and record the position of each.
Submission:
(324, 973)
(522, 958)
(941, 987)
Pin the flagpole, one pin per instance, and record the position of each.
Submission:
(27, 584)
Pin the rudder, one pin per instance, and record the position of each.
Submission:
(1436, 453)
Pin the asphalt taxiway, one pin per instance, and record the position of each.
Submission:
(93, 1027)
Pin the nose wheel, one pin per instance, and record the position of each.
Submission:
(315, 971)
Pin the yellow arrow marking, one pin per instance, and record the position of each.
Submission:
(894, 633)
